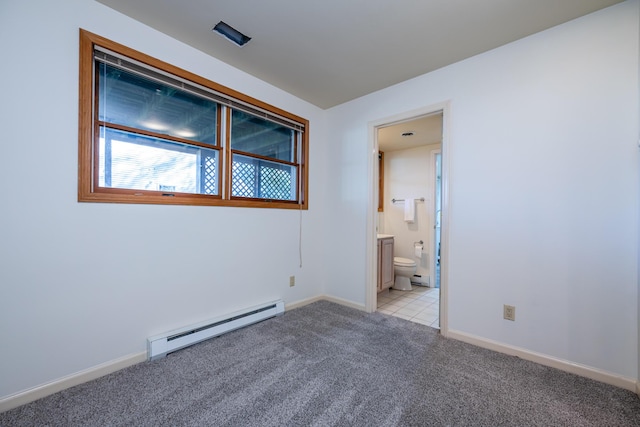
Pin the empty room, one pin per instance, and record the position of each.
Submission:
(203, 225)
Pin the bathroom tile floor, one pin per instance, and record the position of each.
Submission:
(420, 305)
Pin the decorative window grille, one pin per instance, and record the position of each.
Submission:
(210, 176)
(253, 178)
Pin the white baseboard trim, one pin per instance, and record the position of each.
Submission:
(345, 302)
(302, 303)
(43, 390)
(546, 360)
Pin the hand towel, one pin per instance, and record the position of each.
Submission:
(409, 210)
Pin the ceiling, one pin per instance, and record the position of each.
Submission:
(425, 130)
(332, 51)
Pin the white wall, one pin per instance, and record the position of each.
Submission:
(410, 174)
(544, 201)
(82, 284)
(543, 189)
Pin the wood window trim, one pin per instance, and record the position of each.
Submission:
(380, 181)
(87, 127)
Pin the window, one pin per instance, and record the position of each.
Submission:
(263, 155)
(153, 133)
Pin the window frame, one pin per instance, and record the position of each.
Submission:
(89, 128)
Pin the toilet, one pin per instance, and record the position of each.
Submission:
(404, 268)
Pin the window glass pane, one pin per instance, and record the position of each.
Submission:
(132, 100)
(131, 161)
(262, 179)
(254, 135)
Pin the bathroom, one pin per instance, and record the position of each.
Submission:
(409, 209)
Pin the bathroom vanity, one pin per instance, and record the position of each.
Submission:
(385, 262)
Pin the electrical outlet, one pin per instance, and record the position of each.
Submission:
(292, 281)
(510, 312)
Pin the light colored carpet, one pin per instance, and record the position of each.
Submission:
(328, 365)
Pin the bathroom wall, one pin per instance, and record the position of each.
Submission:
(410, 174)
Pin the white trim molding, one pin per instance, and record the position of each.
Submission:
(302, 303)
(55, 386)
(345, 302)
(43, 390)
(546, 360)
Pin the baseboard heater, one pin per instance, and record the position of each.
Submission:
(159, 346)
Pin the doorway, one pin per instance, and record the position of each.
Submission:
(431, 203)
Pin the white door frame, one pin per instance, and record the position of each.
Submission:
(434, 212)
(372, 211)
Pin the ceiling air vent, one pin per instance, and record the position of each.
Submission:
(231, 33)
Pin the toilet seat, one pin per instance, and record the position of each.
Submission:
(403, 262)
